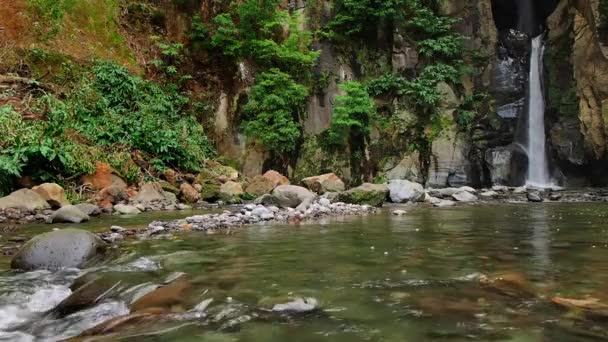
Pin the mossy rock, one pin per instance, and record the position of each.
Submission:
(168, 187)
(210, 192)
(370, 194)
(205, 177)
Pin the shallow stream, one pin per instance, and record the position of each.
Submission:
(376, 278)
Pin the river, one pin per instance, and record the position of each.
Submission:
(376, 278)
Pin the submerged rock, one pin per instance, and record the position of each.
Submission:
(164, 297)
(402, 191)
(367, 193)
(88, 290)
(68, 214)
(297, 306)
(399, 212)
(57, 249)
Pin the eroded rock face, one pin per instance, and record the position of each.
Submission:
(60, 248)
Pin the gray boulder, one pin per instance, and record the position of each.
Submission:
(402, 191)
(68, 214)
(126, 209)
(534, 196)
(292, 196)
(57, 249)
(89, 209)
(150, 192)
(24, 199)
(266, 199)
(464, 196)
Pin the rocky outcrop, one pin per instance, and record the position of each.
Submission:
(57, 249)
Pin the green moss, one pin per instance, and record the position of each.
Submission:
(360, 196)
(561, 85)
(210, 192)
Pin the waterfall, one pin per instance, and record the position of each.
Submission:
(538, 170)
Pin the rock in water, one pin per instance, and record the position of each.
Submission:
(534, 196)
(367, 193)
(24, 199)
(464, 196)
(555, 196)
(402, 191)
(68, 214)
(57, 249)
(164, 297)
(399, 212)
(126, 209)
(299, 305)
(292, 196)
(89, 209)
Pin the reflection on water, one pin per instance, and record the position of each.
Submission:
(377, 278)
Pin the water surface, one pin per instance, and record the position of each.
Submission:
(377, 278)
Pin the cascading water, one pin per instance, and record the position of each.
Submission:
(538, 169)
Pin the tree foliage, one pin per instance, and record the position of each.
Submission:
(353, 114)
(275, 104)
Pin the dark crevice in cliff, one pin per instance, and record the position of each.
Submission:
(523, 15)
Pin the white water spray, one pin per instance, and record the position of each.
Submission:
(538, 169)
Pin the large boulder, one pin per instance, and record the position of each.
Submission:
(321, 184)
(367, 193)
(276, 178)
(58, 249)
(260, 185)
(210, 192)
(402, 191)
(52, 193)
(292, 196)
(24, 199)
(89, 290)
(231, 191)
(188, 193)
(111, 195)
(68, 214)
(125, 209)
(150, 192)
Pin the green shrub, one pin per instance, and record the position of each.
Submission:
(274, 106)
(352, 115)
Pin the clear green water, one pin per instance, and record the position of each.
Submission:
(388, 278)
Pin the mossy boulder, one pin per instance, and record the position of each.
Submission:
(367, 193)
(210, 192)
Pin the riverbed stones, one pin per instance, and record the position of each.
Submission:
(367, 193)
(292, 196)
(321, 184)
(403, 191)
(68, 214)
(464, 196)
(52, 193)
(57, 249)
(24, 199)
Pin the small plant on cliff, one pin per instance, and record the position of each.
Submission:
(353, 115)
(273, 111)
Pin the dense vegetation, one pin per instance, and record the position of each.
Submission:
(110, 116)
